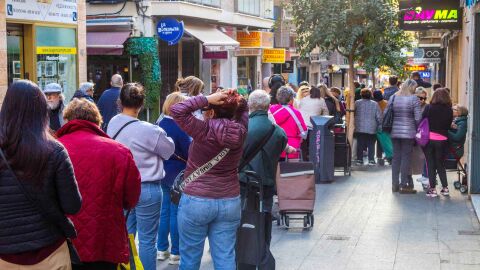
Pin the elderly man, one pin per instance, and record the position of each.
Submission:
(265, 162)
(85, 91)
(53, 92)
(107, 104)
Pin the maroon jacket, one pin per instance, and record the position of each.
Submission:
(109, 182)
(209, 138)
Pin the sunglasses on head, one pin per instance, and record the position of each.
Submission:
(422, 98)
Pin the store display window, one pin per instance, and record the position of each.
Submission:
(56, 50)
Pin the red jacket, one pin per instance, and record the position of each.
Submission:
(109, 182)
(210, 137)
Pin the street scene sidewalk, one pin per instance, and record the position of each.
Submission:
(360, 224)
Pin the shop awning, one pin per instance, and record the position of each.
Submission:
(213, 39)
(106, 43)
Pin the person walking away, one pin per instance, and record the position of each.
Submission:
(382, 104)
(311, 105)
(37, 179)
(108, 102)
(392, 89)
(55, 98)
(407, 114)
(265, 162)
(418, 155)
(420, 82)
(150, 146)
(368, 119)
(276, 81)
(290, 119)
(210, 205)
(457, 133)
(173, 166)
(332, 102)
(440, 116)
(102, 241)
(85, 91)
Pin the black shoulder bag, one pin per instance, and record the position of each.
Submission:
(257, 149)
(74, 257)
(387, 121)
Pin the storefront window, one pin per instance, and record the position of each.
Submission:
(14, 52)
(246, 69)
(57, 58)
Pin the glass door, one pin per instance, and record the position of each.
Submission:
(15, 52)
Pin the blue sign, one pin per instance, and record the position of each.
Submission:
(9, 9)
(425, 74)
(170, 30)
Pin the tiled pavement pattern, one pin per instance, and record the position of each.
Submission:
(360, 224)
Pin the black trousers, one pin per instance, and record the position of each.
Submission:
(95, 266)
(366, 141)
(379, 150)
(435, 155)
(305, 147)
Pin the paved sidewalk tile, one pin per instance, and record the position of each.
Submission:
(360, 224)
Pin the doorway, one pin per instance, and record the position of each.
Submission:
(15, 49)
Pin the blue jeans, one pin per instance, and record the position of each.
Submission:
(216, 218)
(144, 218)
(168, 224)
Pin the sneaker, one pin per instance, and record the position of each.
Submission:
(372, 162)
(163, 255)
(359, 162)
(445, 192)
(174, 260)
(432, 193)
(422, 179)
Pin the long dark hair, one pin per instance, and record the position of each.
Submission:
(24, 133)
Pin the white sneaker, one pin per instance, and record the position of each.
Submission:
(174, 260)
(422, 179)
(163, 255)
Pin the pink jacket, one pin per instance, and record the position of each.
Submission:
(286, 121)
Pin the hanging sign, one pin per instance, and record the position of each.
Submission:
(61, 11)
(419, 15)
(170, 30)
(275, 56)
(427, 55)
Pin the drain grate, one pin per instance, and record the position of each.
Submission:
(338, 237)
(461, 232)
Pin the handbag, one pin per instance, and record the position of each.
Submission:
(386, 143)
(74, 257)
(423, 131)
(181, 182)
(387, 121)
(134, 262)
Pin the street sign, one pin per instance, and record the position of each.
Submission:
(170, 30)
(288, 67)
(427, 55)
(275, 56)
(419, 15)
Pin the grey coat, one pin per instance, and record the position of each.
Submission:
(407, 114)
(368, 117)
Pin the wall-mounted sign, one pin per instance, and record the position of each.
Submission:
(255, 39)
(56, 50)
(170, 30)
(275, 56)
(427, 55)
(425, 74)
(421, 15)
(61, 11)
(288, 67)
(412, 68)
(214, 54)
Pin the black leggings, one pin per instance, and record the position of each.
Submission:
(435, 155)
(95, 266)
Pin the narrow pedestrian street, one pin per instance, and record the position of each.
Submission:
(360, 224)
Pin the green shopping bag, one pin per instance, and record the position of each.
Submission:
(386, 142)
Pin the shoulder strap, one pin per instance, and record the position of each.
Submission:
(124, 126)
(257, 148)
(204, 168)
(277, 111)
(294, 116)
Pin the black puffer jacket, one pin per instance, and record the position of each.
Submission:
(22, 226)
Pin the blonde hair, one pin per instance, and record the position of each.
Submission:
(82, 109)
(408, 88)
(462, 110)
(192, 86)
(171, 100)
(301, 89)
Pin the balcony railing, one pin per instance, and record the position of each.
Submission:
(210, 3)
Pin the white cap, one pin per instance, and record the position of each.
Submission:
(52, 88)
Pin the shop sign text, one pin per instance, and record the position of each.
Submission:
(170, 30)
(56, 50)
(430, 14)
(60, 11)
(275, 56)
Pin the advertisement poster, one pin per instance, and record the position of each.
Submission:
(60, 11)
(419, 15)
